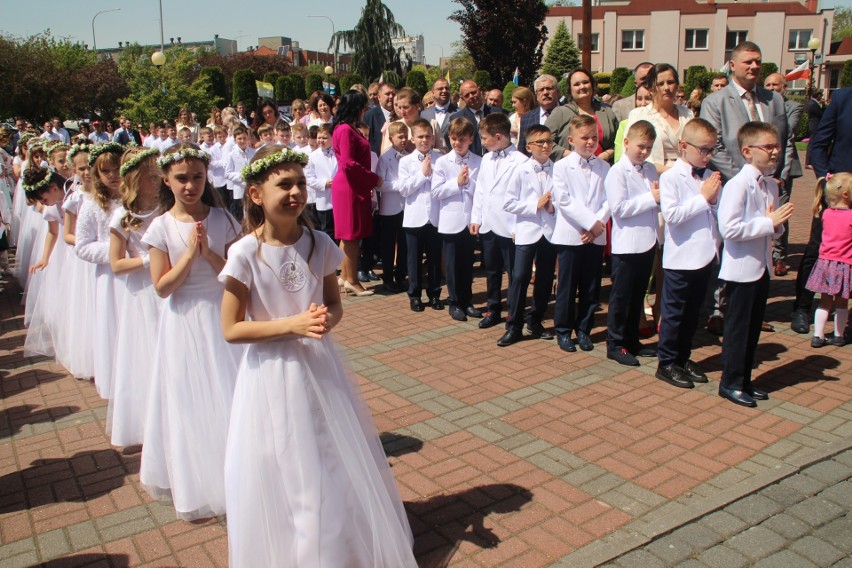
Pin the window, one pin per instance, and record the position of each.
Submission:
(632, 40)
(695, 39)
(734, 38)
(595, 46)
(799, 39)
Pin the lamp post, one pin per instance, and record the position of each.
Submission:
(333, 33)
(813, 44)
(328, 72)
(94, 39)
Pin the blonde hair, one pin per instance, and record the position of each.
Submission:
(829, 189)
(130, 187)
(100, 192)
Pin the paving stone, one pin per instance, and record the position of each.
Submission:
(754, 508)
(53, 544)
(724, 523)
(23, 546)
(829, 472)
(816, 512)
(721, 556)
(83, 535)
(840, 493)
(692, 563)
(837, 533)
(787, 526)
(783, 495)
(757, 542)
(817, 551)
(784, 559)
(641, 559)
(698, 536)
(25, 560)
(671, 549)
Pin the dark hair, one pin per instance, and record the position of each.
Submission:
(496, 123)
(36, 174)
(349, 109)
(587, 73)
(656, 71)
(324, 97)
(258, 116)
(167, 198)
(327, 127)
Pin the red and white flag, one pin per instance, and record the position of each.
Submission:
(800, 72)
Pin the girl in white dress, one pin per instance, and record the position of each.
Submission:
(92, 245)
(307, 482)
(138, 313)
(29, 216)
(81, 274)
(194, 369)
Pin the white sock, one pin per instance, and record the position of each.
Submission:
(820, 317)
(840, 319)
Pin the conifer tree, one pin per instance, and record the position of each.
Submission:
(562, 54)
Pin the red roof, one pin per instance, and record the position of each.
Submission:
(842, 47)
(645, 7)
(263, 50)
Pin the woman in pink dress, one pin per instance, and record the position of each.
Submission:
(352, 187)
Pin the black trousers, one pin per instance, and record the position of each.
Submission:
(420, 241)
(579, 278)
(225, 195)
(236, 208)
(779, 246)
(743, 320)
(458, 257)
(498, 254)
(543, 253)
(370, 250)
(393, 249)
(630, 276)
(325, 223)
(683, 296)
(804, 297)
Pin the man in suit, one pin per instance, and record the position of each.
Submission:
(546, 89)
(126, 134)
(475, 110)
(494, 99)
(439, 114)
(776, 82)
(829, 153)
(378, 115)
(622, 107)
(813, 106)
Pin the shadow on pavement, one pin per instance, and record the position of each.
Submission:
(89, 561)
(11, 385)
(14, 418)
(396, 445)
(811, 369)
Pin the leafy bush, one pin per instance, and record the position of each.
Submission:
(244, 88)
(313, 82)
(417, 81)
(507, 95)
(483, 79)
(619, 77)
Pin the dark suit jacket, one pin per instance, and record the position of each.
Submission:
(829, 146)
(814, 115)
(468, 115)
(725, 110)
(794, 116)
(429, 114)
(375, 119)
(125, 137)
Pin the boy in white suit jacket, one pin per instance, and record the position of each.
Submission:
(749, 219)
(495, 226)
(453, 184)
(530, 198)
(688, 200)
(580, 233)
(420, 217)
(321, 169)
(633, 194)
(392, 246)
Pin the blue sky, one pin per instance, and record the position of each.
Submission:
(243, 20)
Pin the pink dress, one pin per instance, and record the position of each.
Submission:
(352, 186)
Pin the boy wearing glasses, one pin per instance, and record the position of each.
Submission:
(688, 200)
(749, 219)
(529, 196)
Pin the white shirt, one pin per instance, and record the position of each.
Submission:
(321, 168)
(745, 226)
(528, 184)
(741, 91)
(634, 210)
(392, 201)
(579, 198)
(237, 160)
(420, 208)
(455, 201)
(495, 171)
(99, 138)
(691, 238)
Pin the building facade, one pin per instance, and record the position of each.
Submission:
(220, 45)
(413, 47)
(688, 32)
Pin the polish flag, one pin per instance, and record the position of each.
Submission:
(800, 72)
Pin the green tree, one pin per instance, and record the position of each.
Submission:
(507, 95)
(504, 34)
(460, 66)
(417, 81)
(244, 88)
(846, 75)
(298, 83)
(620, 76)
(767, 69)
(348, 80)
(842, 25)
(562, 54)
(698, 76)
(284, 90)
(313, 82)
(483, 79)
(370, 41)
(271, 77)
(629, 89)
(218, 88)
(392, 78)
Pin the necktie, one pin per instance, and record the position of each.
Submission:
(478, 115)
(544, 115)
(753, 115)
(699, 172)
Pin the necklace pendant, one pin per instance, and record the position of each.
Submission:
(292, 276)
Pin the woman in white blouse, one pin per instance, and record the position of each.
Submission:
(667, 117)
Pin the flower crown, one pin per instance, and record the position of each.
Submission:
(39, 184)
(56, 146)
(106, 147)
(134, 161)
(182, 154)
(258, 167)
(34, 142)
(79, 147)
(25, 138)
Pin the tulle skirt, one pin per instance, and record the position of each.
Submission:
(109, 289)
(135, 346)
(32, 283)
(30, 221)
(19, 203)
(307, 481)
(79, 296)
(189, 406)
(46, 333)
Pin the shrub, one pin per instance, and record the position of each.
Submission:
(244, 87)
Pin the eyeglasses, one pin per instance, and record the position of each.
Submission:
(768, 148)
(541, 143)
(703, 151)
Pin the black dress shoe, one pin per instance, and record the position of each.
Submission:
(584, 341)
(416, 305)
(490, 320)
(715, 325)
(373, 276)
(391, 288)
(473, 312)
(737, 397)
(566, 343)
(694, 372)
(622, 356)
(510, 337)
(644, 351)
(457, 313)
(675, 376)
(436, 303)
(799, 322)
(535, 328)
(362, 276)
(758, 394)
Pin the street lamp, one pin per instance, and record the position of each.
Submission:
(813, 44)
(333, 33)
(94, 40)
(328, 71)
(158, 58)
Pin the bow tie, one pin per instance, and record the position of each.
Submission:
(500, 154)
(440, 109)
(397, 155)
(328, 153)
(542, 168)
(461, 161)
(584, 163)
(638, 167)
(698, 172)
(421, 157)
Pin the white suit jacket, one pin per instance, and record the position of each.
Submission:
(525, 189)
(388, 169)
(691, 235)
(455, 202)
(494, 175)
(745, 227)
(320, 169)
(420, 208)
(634, 210)
(579, 201)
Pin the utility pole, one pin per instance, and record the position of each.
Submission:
(587, 34)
